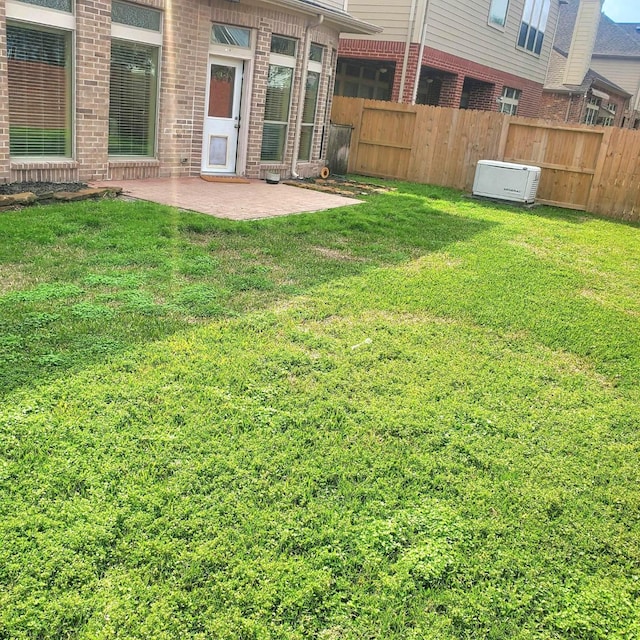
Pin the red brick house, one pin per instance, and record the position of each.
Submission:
(107, 89)
(476, 54)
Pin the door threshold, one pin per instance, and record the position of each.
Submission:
(224, 178)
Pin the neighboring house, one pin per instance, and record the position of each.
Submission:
(101, 89)
(476, 54)
(578, 89)
(616, 55)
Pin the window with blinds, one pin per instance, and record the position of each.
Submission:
(309, 115)
(39, 79)
(133, 98)
(276, 113)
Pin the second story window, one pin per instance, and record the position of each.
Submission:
(533, 25)
(498, 13)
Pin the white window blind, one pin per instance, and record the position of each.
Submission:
(133, 98)
(39, 79)
(276, 113)
(309, 114)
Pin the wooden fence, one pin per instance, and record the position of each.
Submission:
(587, 168)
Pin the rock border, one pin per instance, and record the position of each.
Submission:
(28, 198)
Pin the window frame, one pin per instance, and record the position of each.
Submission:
(290, 62)
(501, 26)
(537, 25)
(27, 16)
(314, 67)
(148, 37)
(509, 103)
(592, 109)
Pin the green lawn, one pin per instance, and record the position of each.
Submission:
(417, 418)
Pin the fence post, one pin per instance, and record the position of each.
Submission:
(596, 182)
(504, 135)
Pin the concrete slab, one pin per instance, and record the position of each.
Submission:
(234, 201)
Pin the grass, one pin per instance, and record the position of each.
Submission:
(414, 418)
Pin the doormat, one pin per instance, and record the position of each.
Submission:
(236, 179)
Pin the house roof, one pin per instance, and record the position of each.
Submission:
(616, 40)
(344, 21)
(610, 39)
(613, 38)
(592, 79)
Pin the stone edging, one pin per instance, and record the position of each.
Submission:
(28, 198)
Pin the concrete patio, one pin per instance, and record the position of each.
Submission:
(236, 201)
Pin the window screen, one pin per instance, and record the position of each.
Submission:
(309, 115)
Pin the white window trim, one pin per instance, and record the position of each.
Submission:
(126, 32)
(535, 25)
(135, 34)
(40, 15)
(495, 25)
(45, 17)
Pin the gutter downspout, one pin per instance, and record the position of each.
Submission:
(303, 91)
(423, 42)
(407, 47)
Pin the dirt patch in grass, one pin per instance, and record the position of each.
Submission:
(340, 186)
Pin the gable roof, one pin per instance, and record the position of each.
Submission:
(615, 39)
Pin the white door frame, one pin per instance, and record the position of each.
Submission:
(226, 130)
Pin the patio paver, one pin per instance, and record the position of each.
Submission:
(235, 201)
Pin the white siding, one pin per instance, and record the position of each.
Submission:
(624, 73)
(332, 4)
(461, 28)
(391, 15)
(584, 37)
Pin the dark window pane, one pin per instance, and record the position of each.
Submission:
(135, 16)
(234, 36)
(283, 46)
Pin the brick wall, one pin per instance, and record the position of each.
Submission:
(182, 92)
(567, 107)
(452, 86)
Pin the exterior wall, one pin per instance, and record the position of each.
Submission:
(566, 107)
(182, 91)
(393, 17)
(451, 92)
(460, 29)
(623, 72)
(584, 37)
(561, 107)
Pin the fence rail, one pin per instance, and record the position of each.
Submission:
(593, 169)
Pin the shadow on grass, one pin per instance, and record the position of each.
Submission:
(83, 283)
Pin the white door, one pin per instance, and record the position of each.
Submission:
(222, 117)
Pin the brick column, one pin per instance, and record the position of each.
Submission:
(260, 78)
(451, 91)
(93, 57)
(4, 100)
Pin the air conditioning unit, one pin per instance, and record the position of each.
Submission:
(506, 181)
